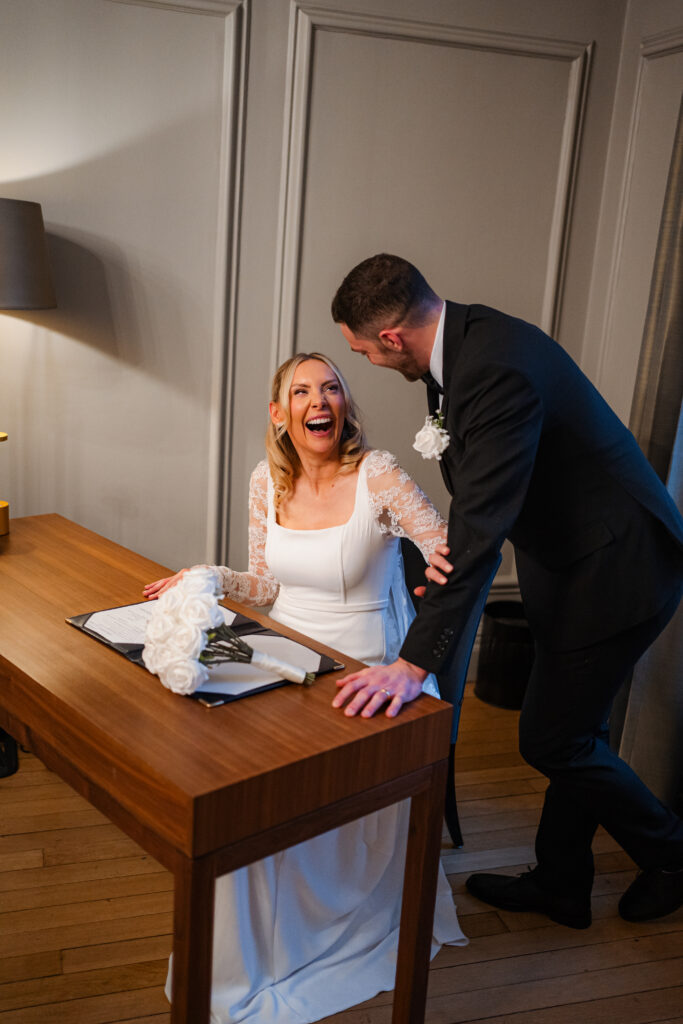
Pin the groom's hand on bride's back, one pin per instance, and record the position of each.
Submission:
(380, 686)
(438, 569)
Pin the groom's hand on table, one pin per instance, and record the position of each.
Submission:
(373, 687)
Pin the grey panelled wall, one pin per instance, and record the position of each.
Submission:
(208, 170)
(459, 134)
(120, 131)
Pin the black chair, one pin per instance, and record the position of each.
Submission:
(453, 676)
(9, 760)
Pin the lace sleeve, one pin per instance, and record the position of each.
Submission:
(400, 506)
(257, 586)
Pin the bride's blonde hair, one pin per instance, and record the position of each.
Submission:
(283, 460)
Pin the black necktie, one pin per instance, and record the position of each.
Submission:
(434, 390)
(431, 383)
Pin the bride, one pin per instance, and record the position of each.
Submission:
(313, 930)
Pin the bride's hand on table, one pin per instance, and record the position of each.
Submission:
(438, 566)
(152, 591)
(373, 687)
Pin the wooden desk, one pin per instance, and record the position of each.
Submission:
(204, 791)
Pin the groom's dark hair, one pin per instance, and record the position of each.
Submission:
(383, 291)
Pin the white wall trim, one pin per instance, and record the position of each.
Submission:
(295, 136)
(389, 27)
(218, 8)
(228, 218)
(565, 186)
(305, 19)
(226, 281)
(664, 44)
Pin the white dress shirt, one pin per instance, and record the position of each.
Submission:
(436, 358)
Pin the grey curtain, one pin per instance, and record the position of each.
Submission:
(648, 718)
(652, 735)
(659, 384)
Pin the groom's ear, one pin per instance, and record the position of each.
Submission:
(391, 339)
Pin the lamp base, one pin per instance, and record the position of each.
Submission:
(4, 518)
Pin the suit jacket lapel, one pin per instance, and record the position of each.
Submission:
(453, 337)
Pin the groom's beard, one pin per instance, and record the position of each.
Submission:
(406, 364)
(410, 370)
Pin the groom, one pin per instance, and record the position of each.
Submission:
(536, 455)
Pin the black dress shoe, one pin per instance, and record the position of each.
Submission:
(523, 893)
(653, 894)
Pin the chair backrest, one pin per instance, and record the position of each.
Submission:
(453, 676)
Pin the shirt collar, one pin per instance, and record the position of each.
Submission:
(436, 358)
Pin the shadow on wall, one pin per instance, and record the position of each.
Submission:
(97, 303)
(84, 309)
(133, 251)
(113, 303)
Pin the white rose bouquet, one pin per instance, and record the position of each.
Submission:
(431, 441)
(186, 632)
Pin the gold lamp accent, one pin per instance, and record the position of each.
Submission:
(25, 278)
(4, 505)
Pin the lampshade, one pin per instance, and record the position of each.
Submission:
(25, 278)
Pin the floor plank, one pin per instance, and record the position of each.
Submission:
(112, 954)
(38, 876)
(58, 988)
(90, 933)
(69, 914)
(31, 965)
(111, 1008)
(83, 892)
(11, 862)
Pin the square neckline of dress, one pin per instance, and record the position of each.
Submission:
(323, 529)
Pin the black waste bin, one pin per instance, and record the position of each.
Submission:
(506, 655)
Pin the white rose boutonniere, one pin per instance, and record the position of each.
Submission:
(431, 441)
(186, 633)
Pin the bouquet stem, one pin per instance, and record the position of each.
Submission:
(226, 646)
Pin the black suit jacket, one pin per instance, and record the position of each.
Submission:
(537, 456)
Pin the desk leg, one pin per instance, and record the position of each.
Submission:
(419, 897)
(192, 941)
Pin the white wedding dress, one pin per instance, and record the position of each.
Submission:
(313, 930)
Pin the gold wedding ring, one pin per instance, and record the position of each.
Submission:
(390, 695)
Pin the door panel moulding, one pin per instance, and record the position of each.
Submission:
(305, 21)
(656, 47)
(236, 16)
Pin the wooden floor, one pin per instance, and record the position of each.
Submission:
(85, 915)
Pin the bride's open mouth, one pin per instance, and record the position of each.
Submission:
(320, 425)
